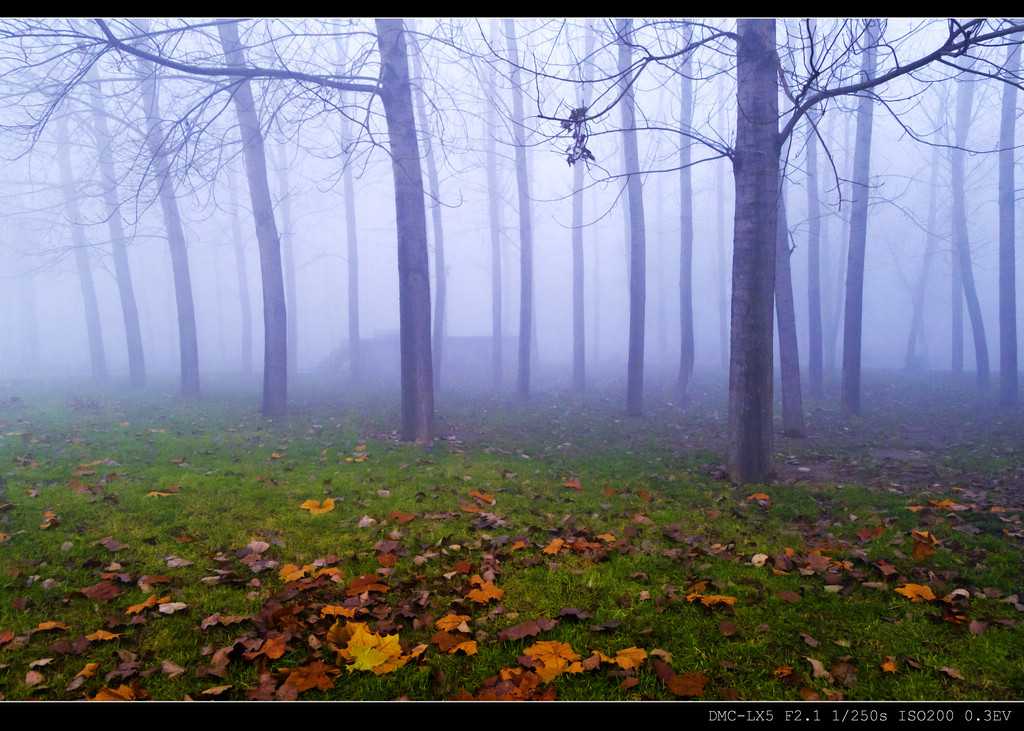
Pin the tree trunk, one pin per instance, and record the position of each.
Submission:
(579, 341)
(1007, 235)
(243, 279)
(723, 283)
(756, 173)
(413, 262)
(931, 244)
(118, 241)
(275, 325)
(287, 248)
(637, 231)
(494, 213)
(188, 345)
(850, 399)
(785, 308)
(961, 242)
(815, 370)
(93, 326)
(525, 221)
(686, 346)
(434, 194)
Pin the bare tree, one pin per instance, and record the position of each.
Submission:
(1007, 234)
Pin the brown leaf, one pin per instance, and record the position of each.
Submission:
(314, 675)
(103, 591)
(727, 628)
(789, 596)
(951, 673)
(688, 685)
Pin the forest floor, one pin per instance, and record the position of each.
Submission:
(154, 548)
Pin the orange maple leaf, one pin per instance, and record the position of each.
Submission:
(917, 592)
(631, 657)
(485, 592)
(551, 658)
(553, 547)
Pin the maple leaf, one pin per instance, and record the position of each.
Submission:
(917, 592)
(689, 685)
(151, 601)
(631, 657)
(889, 666)
(450, 622)
(924, 544)
(316, 508)
(101, 635)
(485, 592)
(365, 583)
(573, 483)
(44, 626)
(315, 675)
(711, 600)
(551, 658)
(102, 591)
(553, 547)
(373, 652)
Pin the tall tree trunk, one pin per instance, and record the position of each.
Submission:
(118, 241)
(287, 247)
(243, 278)
(961, 242)
(637, 231)
(494, 219)
(93, 326)
(756, 173)
(434, 194)
(723, 283)
(815, 370)
(188, 342)
(931, 244)
(525, 221)
(352, 244)
(579, 341)
(850, 399)
(1007, 235)
(785, 308)
(275, 325)
(839, 291)
(686, 346)
(413, 262)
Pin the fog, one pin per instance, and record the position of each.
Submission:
(42, 317)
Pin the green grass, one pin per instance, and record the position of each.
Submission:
(664, 530)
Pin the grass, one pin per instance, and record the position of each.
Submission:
(809, 573)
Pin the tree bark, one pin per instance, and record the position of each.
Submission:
(850, 399)
(188, 344)
(637, 231)
(1007, 235)
(756, 173)
(525, 221)
(413, 262)
(275, 325)
(686, 345)
(961, 241)
(93, 325)
(494, 219)
(118, 241)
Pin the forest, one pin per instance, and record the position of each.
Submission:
(681, 387)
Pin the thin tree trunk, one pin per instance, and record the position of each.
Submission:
(93, 325)
(275, 322)
(756, 172)
(352, 245)
(579, 341)
(789, 357)
(188, 343)
(815, 370)
(118, 241)
(637, 231)
(961, 242)
(931, 244)
(413, 261)
(1007, 235)
(494, 219)
(287, 239)
(525, 221)
(434, 194)
(850, 399)
(244, 300)
(686, 345)
(723, 284)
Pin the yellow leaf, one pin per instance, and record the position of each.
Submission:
(631, 657)
(158, 494)
(333, 610)
(553, 547)
(291, 572)
(316, 508)
(916, 592)
(485, 592)
(101, 634)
